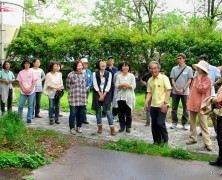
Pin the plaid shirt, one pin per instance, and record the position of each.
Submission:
(76, 86)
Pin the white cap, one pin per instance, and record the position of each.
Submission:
(84, 60)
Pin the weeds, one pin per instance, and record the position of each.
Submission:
(141, 147)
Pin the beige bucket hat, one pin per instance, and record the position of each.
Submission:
(202, 65)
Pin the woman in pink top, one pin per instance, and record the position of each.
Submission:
(27, 80)
(200, 90)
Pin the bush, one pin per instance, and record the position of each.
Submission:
(11, 129)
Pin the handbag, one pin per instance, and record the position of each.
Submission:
(59, 94)
(171, 94)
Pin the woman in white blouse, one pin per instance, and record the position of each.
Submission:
(125, 97)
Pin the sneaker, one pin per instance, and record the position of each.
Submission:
(78, 130)
(73, 131)
(185, 127)
(29, 121)
(147, 123)
(189, 142)
(209, 148)
(173, 126)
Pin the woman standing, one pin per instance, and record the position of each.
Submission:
(6, 77)
(53, 83)
(126, 84)
(200, 90)
(38, 86)
(27, 80)
(76, 86)
(102, 95)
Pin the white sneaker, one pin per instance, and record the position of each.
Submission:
(185, 127)
(78, 130)
(173, 126)
(73, 131)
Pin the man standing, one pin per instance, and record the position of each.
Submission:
(159, 89)
(181, 76)
(111, 68)
(214, 73)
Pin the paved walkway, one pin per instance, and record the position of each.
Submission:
(177, 137)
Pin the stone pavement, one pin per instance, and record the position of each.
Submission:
(177, 137)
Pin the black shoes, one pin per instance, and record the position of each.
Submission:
(85, 122)
(121, 129)
(37, 116)
(128, 130)
(215, 163)
(29, 121)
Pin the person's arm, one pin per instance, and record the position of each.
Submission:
(217, 82)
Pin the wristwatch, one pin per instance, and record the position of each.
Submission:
(166, 103)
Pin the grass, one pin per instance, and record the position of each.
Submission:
(141, 147)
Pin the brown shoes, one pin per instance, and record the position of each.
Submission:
(147, 123)
(191, 142)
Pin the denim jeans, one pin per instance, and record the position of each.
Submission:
(54, 108)
(22, 100)
(77, 113)
(108, 115)
(175, 102)
(37, 103)
(9, 102)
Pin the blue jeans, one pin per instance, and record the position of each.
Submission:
(54, 108)
(108, 115)
(77, 113)
(22, 100)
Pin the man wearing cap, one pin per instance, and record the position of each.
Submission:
(214, 74)
(181, 76)
(111, 68)
(88, 74)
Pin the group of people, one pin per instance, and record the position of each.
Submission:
(192, 90)
(115, 86)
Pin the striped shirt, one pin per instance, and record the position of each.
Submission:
(76, 86)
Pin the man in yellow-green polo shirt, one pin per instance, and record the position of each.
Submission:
(158, 89)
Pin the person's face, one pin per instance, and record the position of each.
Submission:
(102, 65)
(180, 60)
(85, 65)
(154, 70)
(7, 66)
(27, 65)
(200, 71)
(125, 68)
(110, 62)
(79, 67)
(55, 68)
(37, 64)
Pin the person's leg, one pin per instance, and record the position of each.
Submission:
(2, 107)
(148, 116)
(22, 100)
(121, 115)
(175, 103)
(57, 103)
(31, 98)
(99, 119)
(154, 127)
(214, 120)
(128, 118)
(193, 129)
(51, 111)
(72, 116)
(9, 105)
(162, 126)
(205, 131)
(185, 115)
(81, 113)
(84, 117)
(37, 103)
(109, 117)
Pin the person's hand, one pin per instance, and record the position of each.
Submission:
(164, 108)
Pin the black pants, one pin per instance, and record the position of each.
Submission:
(9, 102)
(159, 130)
(124, 114)
(37, 103)
(219, 136)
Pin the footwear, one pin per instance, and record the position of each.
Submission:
(100, 128)
(200, 134)
(128, 130)
(60, 115)
(215, 163)
(185, 127)
(29, 121)
(37, 116)
(122, 128)
(73, 131)
(191, 142)
(85, 122)
(209, 148)
(173, 126)
(51, 122)
(57, 121)
(78, 130)
(112, 130)
(147, 123)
